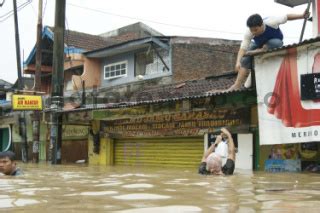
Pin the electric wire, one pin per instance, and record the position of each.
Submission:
(152, 21)
(2, 3)
(162, 23)
(10, 13)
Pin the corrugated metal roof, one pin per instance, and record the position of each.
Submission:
(131, 104)
(5, 105)
(101, 52)
(5, 84)
(28, 83)
(307, 41)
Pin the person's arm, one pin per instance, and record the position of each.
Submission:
(243, 48)
(231, 147)
(211, 148)
(256, 51)
(305, 14)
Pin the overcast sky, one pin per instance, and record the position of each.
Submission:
(201, 18)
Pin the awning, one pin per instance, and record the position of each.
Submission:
(128, 46)
(291, 3)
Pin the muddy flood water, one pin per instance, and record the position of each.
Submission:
(80, 188)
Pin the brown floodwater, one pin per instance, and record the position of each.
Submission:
(81, 188)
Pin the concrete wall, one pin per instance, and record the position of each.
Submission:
(197, 58)
(91, 74)
(105, 156)
(131, 76)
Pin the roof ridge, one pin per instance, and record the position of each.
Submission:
(52, 28)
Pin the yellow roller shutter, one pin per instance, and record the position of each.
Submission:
(173, 152)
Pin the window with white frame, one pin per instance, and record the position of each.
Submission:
(115, 70)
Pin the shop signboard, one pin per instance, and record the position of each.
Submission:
(26, 102)
(310, 86)
(191, 123)
(74, 132)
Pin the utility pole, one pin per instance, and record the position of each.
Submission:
(57, 82)
(37, 88)
(16, 28)
(22, 118)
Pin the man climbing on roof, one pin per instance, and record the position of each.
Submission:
(261, 35)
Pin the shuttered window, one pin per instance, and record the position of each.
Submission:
(165, 152)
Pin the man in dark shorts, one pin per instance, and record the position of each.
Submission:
(211, 162)
(8, 165)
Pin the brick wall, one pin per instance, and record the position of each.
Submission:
(197, 58)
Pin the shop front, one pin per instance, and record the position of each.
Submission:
(75, 134)
(175, 133)
(291, 157)
(74, 144)
(289, 108)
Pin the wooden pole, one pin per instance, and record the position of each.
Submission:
(57, 82)
(22, 118)
(37, 88)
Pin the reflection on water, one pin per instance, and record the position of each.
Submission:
(47, 188)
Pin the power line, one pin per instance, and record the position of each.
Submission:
(19, 7)
(10, 13)
(152, 21)
(34, 10)
(6, 16)
(162, 23)
(44, 9)
(2, 3)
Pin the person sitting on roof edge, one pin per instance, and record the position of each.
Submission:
(261, 35)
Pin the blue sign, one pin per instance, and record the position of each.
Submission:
(5, 102)
(278, 165)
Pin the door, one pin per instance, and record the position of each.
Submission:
(244, 156)
(5, 138)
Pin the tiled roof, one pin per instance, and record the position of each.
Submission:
(125, 37)
(189, 89)
(85, 41)
(185, 90)
(91, 42)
